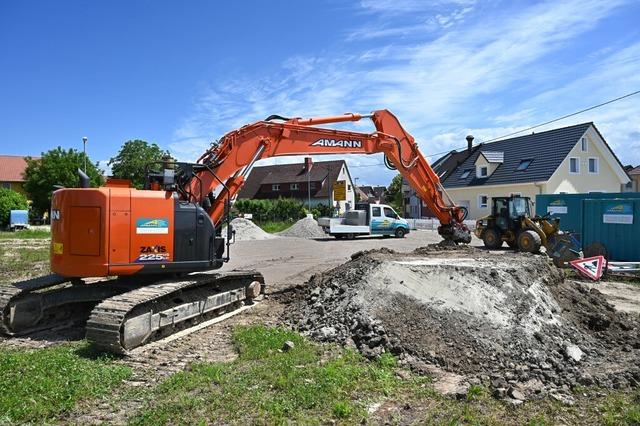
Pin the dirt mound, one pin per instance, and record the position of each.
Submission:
(304, 228)
(249, 231)
(508, 320)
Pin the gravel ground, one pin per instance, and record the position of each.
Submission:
(304, 228)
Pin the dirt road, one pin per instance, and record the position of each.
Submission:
(287, 262)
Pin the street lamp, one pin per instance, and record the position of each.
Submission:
(84, 151)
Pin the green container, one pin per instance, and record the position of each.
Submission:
(615, 223)
(612, 219)
(568, 207)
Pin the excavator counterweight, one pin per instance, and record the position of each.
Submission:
(163, 242)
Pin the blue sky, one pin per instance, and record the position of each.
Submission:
(182, 74)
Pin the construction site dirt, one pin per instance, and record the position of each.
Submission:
(507, 320)
(464, 315)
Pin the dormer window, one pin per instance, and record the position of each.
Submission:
(483, 171)
(524, 164)
(465, 174)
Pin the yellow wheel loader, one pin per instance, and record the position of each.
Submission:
(510, 221)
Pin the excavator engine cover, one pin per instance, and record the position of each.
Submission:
(124, 231)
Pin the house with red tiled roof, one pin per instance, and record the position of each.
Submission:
(12, 169)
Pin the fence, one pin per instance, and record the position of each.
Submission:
(431, 224)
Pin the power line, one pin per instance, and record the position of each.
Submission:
(528, 128)
(549, 122)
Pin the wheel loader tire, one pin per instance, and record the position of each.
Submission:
(400, 233)
(491, 239)
(529, 241)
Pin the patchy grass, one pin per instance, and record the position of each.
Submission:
(22, 262)
(38, 385)
(309, 383)
(592, 407)
(273, 227)
(26, 234)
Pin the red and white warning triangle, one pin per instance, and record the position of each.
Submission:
(590, 267)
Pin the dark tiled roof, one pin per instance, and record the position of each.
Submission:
(546, 149)
(291, 173)
(448, 163)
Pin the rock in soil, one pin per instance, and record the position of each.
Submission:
(508, 320)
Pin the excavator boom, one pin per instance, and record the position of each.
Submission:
(231, 160)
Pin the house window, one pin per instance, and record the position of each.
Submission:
(6, 185)
(348, 187)
(275, 187)
(483, 201)
(583, 144)
(524, 164)
(593, 165)
(465, 174)
(574, 165)
(293, 186)
(312, 185)
(483, 171)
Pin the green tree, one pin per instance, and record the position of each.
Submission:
(56, 167)
(133, 158)
(394, 193)
(10, 200)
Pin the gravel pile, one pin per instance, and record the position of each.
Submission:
(506, 320)
(246, 230)
(304, 228)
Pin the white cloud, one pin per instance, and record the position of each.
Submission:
(440, 88)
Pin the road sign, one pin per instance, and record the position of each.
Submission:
(591, 267)
(340, 190)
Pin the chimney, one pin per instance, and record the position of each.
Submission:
(469, 142)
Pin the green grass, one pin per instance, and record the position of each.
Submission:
(307, 384)
(38, 385)
(27, 234)
(273, 227)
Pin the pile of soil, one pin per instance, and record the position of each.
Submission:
(507, 320)
(246, 230)
(304, 228)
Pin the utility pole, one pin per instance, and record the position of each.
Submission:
(308, 165)
(84, 152)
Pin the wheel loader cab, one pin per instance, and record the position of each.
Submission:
(509, 222)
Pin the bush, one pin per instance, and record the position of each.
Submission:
(10, 200)
(321, 211)
(282, 209)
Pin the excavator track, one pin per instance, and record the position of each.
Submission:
(50, 301)
(126, 321)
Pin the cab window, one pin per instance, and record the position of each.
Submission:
(390, 213)
(376, 212)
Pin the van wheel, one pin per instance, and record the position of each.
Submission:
(350, 236)
(491, 239)
(529, 241)
(400, 232)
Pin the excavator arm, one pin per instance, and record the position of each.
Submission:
(227, 163)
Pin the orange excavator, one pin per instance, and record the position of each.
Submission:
(136, 265)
